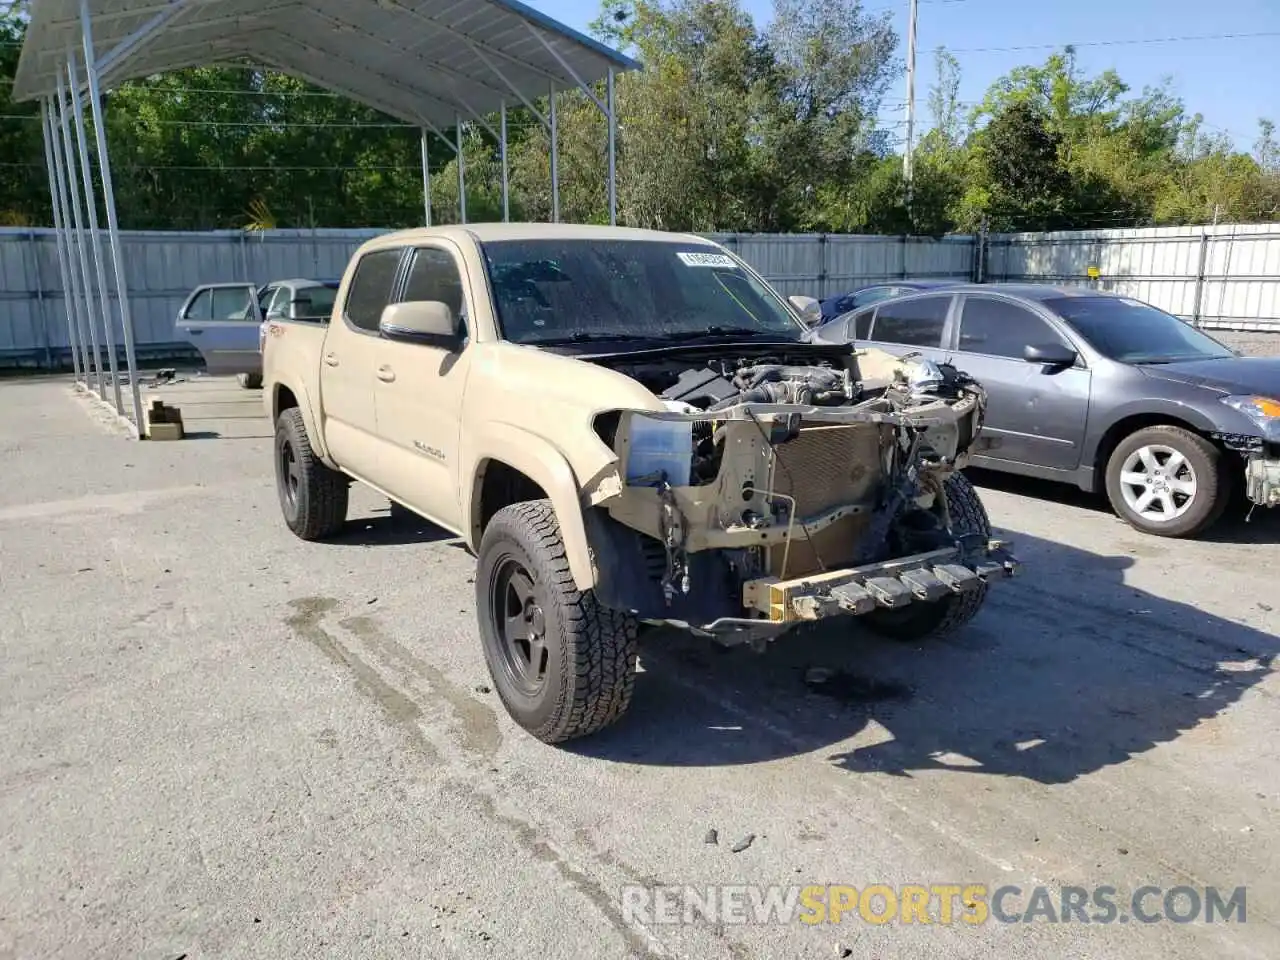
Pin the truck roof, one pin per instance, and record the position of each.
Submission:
(486, 232)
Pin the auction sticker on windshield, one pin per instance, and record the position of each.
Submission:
(707, 260)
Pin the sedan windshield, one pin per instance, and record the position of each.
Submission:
(1129, 331)
(580, 290)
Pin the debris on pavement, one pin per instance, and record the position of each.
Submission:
(743, 843)
(712, 837)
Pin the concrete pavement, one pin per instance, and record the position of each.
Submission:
(219, 741)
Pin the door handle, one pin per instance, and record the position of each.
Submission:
(386, 374)
(331, 359)
(195, 331)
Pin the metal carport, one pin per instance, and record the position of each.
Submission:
(432, 63)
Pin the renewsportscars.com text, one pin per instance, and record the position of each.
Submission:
(972, 904)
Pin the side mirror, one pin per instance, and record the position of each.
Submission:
(810, 309)
(1050, 354)
(427, 322)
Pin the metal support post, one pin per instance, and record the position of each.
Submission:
(555, 161)
(506, 178)
(59, 240)
(75, 307)
(908, 171)
(82, 240)
(462, 173)
(612, 120)
(91, 207)
(113, 225)
(426, 180)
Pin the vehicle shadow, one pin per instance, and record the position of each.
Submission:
(1065, 671)
(389, 527)
(1236, 525)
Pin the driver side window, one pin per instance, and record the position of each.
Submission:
(998, 328)
(433, 275)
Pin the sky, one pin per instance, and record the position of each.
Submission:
(1232, 82)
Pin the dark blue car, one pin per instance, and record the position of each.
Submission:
(841, 303)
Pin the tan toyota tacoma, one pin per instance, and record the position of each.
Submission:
(628, 427)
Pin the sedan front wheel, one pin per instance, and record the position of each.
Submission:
(1167, 481)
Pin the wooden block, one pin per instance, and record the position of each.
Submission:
(165, 431)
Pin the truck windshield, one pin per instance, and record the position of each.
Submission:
(1129, 331)
(569, 290)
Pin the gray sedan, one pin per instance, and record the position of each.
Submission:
(1101, 391)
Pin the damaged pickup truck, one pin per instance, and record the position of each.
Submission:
(628, 427)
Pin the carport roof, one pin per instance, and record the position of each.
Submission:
(422, 61)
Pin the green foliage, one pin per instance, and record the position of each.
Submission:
(728, 127)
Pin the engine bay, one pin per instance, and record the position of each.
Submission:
(702, 381)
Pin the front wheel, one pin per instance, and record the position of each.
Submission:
(563, 664)
(926, 621)
(313, 497)
(250, 381)
(1167, 481)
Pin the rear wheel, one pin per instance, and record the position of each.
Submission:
(313, 498)
(924, 621)
(250, 381)
(563, 664)
(1167, 481)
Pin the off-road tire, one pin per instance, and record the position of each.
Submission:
(250, 381)
(1213, 488)
(591, 649)
(318, 506)
(927, 621)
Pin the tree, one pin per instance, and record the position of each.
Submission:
(944, 99)
(1020, 173)
(24, 184)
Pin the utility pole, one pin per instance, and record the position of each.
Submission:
(907, 170)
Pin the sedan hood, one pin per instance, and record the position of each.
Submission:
(1227, 375)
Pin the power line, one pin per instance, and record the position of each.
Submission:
(1120, 43)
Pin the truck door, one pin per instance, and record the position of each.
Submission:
(419, 390)
(348, 360)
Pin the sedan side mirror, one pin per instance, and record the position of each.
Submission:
(1050, 354)
(428, 322)
(810, 309)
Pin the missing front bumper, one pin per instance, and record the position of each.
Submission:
(922, 578)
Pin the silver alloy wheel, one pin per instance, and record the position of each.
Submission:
(1158, 483)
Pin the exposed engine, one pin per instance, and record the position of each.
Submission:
(844, 471)
(804, 376)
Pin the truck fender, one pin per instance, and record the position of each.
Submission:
(545, 465)
(294, 385)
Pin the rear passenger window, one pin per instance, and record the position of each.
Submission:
(370, 289)
(915, 323)
(201, 306)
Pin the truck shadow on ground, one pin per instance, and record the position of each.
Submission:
(1262, 527)
(1065, 671)
(390, 527)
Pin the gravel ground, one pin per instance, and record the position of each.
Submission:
(1252, 344)
(221, 741)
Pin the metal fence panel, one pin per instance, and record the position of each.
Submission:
(1226, 276)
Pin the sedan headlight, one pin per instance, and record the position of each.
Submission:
(1264, 411)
